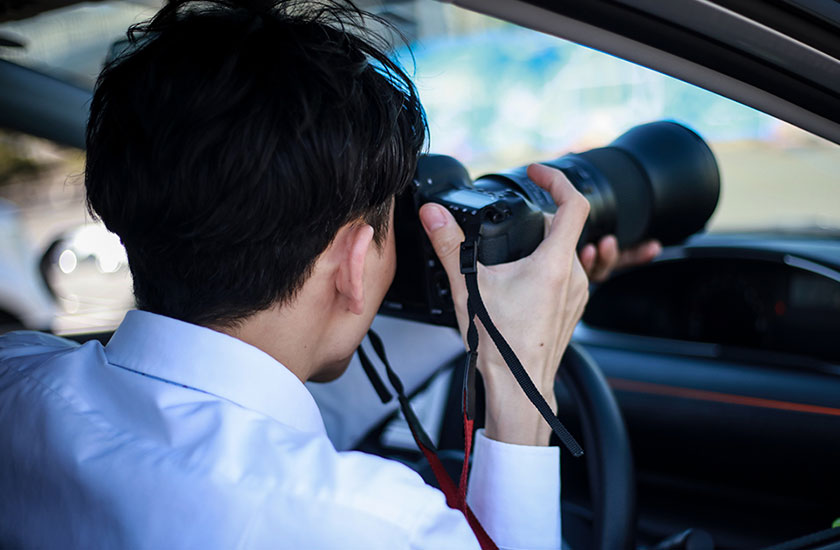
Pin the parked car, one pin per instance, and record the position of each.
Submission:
(25, 301)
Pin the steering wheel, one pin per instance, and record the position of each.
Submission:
(609, 461)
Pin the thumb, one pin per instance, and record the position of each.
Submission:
(446, 237)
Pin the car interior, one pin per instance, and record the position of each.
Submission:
(704, 386)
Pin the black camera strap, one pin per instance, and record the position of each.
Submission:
(456, 496)
(476, 307)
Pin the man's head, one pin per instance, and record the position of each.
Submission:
(235, 140)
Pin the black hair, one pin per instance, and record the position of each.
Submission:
(229, 144)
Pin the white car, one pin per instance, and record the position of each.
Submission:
(25, 301)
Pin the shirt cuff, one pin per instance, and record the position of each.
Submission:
(514, 491)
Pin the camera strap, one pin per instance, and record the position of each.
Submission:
(456, 497)
(476, 307)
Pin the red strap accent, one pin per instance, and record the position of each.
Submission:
(456, 498)
(462, 484)
(444, 481)
(453, 496)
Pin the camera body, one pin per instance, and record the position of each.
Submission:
(658, 180)
(510, 227)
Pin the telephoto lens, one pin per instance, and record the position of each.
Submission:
(656, 181)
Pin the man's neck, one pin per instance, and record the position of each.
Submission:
(316, 333)
(304, 336)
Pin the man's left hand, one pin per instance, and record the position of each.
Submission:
(599, 262)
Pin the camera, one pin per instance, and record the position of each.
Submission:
(656, 181)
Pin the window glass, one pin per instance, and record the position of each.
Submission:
(497, 96)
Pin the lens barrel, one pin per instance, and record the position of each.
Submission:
(656, 181)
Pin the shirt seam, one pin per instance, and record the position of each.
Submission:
(217, 396)
(105, 427)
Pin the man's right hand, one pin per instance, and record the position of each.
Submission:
(535, 302)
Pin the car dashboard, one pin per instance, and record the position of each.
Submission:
(778, 295)
(724, 358)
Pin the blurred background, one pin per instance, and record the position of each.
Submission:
(497, 96)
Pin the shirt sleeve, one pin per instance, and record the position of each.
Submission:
(514, 491)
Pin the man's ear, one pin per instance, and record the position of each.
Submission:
(350, 281)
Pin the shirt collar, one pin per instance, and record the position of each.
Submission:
(215, 363)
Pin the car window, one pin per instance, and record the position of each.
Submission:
(497, 96)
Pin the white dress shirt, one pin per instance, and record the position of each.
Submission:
(177, 436)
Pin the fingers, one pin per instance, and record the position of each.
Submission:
(606, 259)
(572, 210)
(446, 237)
(600, 261)
(588, 256)
(640, 254)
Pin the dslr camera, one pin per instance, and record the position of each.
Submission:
(658, 180)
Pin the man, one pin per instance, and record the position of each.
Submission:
(248, 158)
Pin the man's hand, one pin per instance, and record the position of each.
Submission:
(600, 261)
(535, 303)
